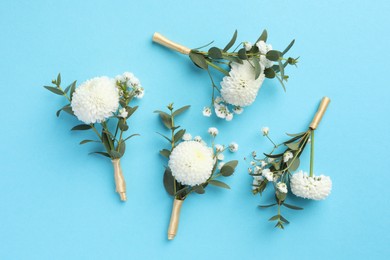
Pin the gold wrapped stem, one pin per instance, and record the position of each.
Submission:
(119, 179)
(160, 39)
(320, 113)
(175, 216)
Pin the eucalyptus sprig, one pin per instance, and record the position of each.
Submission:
(277, 170)
(179, 182)
(123, 90)
(263, 61)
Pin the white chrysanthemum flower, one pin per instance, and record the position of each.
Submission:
(238, 110)
(220, 157)
(268, 174)
(95, 100)
(187, 137)
(265, 130)
(264, 48)
(233, 147)
(287, 156)
(248, 46)
(123, 113)
(220, 165)
(281, 187)
(240, 88)
(219, 148)
(315, 188)
(207, 111)
(213, 131)
(191, 163)
(197, 138)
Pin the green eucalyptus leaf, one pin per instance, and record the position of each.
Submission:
(299, 134)
(122, 124)
(122, 148)
(58, 79)
(165, 152)
(180, 110)
(292, 206)
(273, 55)
(102, 153)
(166, 119)
(177, 137)
(267, 206)
(263, 36)
(130, 110)
(72, 89)
(284, 220)
(115, 155)
(292, 146)
(293, 164)
(68, 109)
(127, 138)
(81, 127)
(256, 64)
(228, 168)
(169, 181)
(242, 54)
(88, 141)
(169, 140)
(107, 142)
(273, 155)
(199, 189)
(288, 47)
(199, 60)
(231, 42)
(55, 90)
(276, 217)
(215, 53)
(219, 184)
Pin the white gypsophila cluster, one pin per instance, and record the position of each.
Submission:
(256, 181)
(123, 113)
(187, 137)
(233, 147)
(240, 88)
(248, 46)
(219, 147)
(287, 156)
(213, 131)
(264, 48)
(191, 163)
(222, 111)
(131, 82)
(281, 187)
(268, 174)
(207, 111)
(237, 110)
(315, 188)
(95, 100)
(265, 130)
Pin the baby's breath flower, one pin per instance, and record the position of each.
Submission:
(229, 116)
(197, 138)
(219, 148)
(123, 113)
(238, 110)
(265, 130)
(282, 187)
(187, 137)
(213, 131)
(220, 156)
(248, 46)
(268, 174)
(233, 147)
(250, 170)
(287, 156)
(207, 111)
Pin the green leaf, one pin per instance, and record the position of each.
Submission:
(169, 181)
(180, 110)
(292, 206)
(263, 36)
(284, 220)
(88, 141)
(281, 83)
(292, 146)
(293, 165)
(299, 134)
(72, 89)
(231, 42)
(273, 155)
(55, 90)
(127, 138)
(269, 73)
(58, 79)
(281, 68)
(228, 168)
(107, 142)
(122, 148)
(199, 189)
(215, 53)
(273, 55)
(102, 153)
(219, 184)
(276, 217)
(177, 137)
(232, 59)
(169, 140)
(199, 60)
(130, 110)
(68, 109)
(242, 54)
(166, 119)
(256, 64)
(267, 206)
(123, 125)
(115, 155)
(166, 153)
(204, 45)
(81, 127)
(288, 47)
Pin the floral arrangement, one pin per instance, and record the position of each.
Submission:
(192, 164)
(96, 102)
(244, 70)
(277, 170)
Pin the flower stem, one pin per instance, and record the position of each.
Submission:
(312, 154)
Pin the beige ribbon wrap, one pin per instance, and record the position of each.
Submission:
(160, 39)
(175, 217)
(119, 179)
(320, 113)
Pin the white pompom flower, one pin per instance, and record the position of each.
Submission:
(191, 163)
(315, 188)
(240, 88)
(95, 100)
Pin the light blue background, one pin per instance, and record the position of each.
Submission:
(57, 202)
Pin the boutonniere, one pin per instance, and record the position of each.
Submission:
(102, 105)
(277, 170)
(244, 69)
(192, 163)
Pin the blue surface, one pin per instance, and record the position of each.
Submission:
(56, 202)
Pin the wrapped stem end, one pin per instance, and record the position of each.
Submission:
(175, 216)
(320, 113)
(160, 39)
(119, 180)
